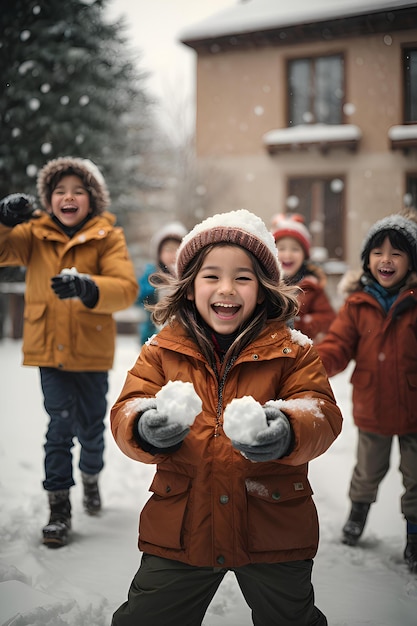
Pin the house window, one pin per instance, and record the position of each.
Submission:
(321, 202)
(411, 193)
(410, 85)
(316, 90)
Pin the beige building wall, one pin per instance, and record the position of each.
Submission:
(241, 95)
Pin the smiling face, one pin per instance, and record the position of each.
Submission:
(291, 255)
(388, 265)
(226, 289)
(70, 201)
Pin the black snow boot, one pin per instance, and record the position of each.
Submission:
(355, 524)
(91, 499)
(56, 532)
(410, 552)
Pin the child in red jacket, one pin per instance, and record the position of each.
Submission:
(377, 327)
(293, 242)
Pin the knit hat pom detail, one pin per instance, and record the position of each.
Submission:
(292, 226)
(241, 228)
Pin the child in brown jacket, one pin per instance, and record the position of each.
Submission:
(230, 405)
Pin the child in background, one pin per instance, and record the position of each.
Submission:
(231, 491)
(293, 242)
(78, 274)
(165, 243)
(377, 327)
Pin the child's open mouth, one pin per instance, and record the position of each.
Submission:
(69, 209)
(225, 310)
(386, 273)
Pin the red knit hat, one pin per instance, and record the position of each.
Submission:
(293, 226)
(236, 227)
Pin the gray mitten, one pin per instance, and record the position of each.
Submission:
(157, 430)
(271, 443)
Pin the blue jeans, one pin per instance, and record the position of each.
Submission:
(76, 404)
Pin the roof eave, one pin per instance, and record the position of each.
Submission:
(372, 23)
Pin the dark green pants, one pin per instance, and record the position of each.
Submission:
(170, 593)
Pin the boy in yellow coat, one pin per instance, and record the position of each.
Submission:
(78, 274)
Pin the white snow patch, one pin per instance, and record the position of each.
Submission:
(403, 132)
(298, 337)
(252, 486)
(372, 585)
(298, 405)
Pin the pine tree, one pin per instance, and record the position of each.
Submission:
(70, 86)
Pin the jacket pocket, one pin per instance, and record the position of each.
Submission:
(94, 335)
(281, 513)
(34, 330)
(362, 379)
(364, 400)
(162, 518)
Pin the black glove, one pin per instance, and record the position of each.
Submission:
(271, 443)
(76, 286)
(156, 430)
(17, 208)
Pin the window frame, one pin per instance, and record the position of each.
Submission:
(406, 85)
(323, 181)
(313, 59)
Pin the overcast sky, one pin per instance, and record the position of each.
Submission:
(154, 28)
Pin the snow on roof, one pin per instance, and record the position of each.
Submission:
(256, 15)
(312, 133)
(397, 133)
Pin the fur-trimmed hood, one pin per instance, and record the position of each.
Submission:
(351, 282)
(89, 173)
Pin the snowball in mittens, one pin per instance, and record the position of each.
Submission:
(243, 419)
(179, 401)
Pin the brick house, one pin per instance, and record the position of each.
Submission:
(309, 106)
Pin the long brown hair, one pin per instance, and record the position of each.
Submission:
(279, 304)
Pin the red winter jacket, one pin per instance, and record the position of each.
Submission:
(316, 313)
(384, 348)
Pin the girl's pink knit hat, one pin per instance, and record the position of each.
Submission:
(236, 227)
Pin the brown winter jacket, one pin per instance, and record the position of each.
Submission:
(316, 313)
(211, 506)
(384, 348)
(64, 333)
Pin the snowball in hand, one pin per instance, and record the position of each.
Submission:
(67, 270)
(243, 419)
(179, 401)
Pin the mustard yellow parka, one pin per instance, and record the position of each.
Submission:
(64, 333)
(210, 506)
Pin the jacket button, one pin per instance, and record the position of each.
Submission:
(60, 347)
(286, 350)
(220, 559)
(224, 499)
(276, 495)
(167, 489)
(255, 357)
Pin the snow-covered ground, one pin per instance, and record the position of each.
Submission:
(83, 583)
